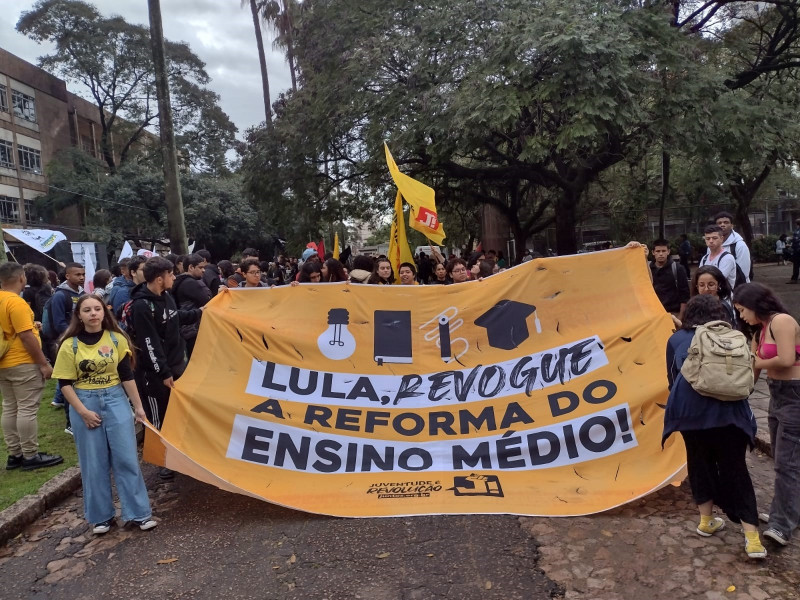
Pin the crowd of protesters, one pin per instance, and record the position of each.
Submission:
(118, 351)
(718, 433)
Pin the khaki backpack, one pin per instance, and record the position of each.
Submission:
(719, 363)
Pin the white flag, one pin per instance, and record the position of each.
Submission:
(127, 251)
(145, 253)
(88, 264)
(41, 240)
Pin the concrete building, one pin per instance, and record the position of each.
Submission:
(38, 118)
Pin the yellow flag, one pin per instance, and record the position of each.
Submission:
(420, 198)
(399, 250)
(336, 245)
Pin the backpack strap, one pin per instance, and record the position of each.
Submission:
(733, 249)
(675, 273)
(75, 342)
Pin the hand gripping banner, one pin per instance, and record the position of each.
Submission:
(537, 391)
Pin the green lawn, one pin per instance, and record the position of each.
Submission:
(52, 439)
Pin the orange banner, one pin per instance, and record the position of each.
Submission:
(537, 391)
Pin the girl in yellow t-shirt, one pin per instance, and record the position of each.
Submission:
(94, 367)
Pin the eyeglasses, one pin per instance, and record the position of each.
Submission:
(253, 273)
(460, 270)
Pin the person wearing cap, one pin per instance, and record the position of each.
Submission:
(309, 255)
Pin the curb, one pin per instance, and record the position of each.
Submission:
(26, 510)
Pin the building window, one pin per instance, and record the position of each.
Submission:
(30, 210)
(6, 154)
(9, 209)
(87, 145)
(30, 159)
(24, 106)
(3, 98)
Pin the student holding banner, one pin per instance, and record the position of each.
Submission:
(716, 435)
(383, 273)
(94, 370)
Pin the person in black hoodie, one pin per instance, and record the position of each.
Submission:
(190, 291)
(211, 272)
(161, 352)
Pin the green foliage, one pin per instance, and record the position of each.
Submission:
(130, 204)
(18, 483)
(512, 103)
(523, 105)
(763, 248)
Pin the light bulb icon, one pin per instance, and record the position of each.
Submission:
(336, 342)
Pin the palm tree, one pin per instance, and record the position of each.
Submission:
(279, 16)
(262, 58)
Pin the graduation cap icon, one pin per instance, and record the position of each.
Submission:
(506, 325)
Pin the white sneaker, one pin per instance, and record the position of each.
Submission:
(146, 524)
(763, 517)
(103, 527)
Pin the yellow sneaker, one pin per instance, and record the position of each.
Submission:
(710, 528)
(754, 548)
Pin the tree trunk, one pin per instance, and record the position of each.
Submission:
(175, 222)
(744, 193)
(665, 171)
(263, 60)
(566, 238)
(520, 243)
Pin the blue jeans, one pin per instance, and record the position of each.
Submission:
(109, 447)
(784, 437)
(59, 397)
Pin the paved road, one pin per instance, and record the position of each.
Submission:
(217, 545)
(230, 546)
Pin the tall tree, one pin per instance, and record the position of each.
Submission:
(169, 151)
(262, 59)
(482, 93)
(280, 16)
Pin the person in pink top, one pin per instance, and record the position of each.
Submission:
(776, 349)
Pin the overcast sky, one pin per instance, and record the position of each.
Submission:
(220, 32)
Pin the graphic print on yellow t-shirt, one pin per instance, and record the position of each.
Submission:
(92, 367)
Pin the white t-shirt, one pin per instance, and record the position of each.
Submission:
(725, 263)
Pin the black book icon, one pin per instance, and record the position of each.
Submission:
(392, 336)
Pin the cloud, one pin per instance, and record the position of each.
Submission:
(220, 32)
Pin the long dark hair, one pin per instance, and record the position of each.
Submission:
(335, 270)
(761, 300)
(109, 323)
(377, 279)
(309, 267)
(723, 287)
